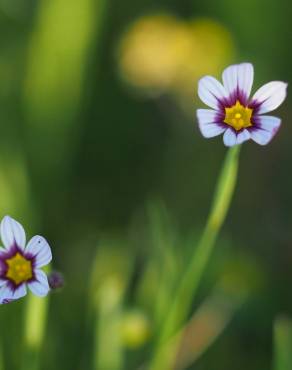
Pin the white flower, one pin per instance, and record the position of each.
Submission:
(233, 112)
(20, 264)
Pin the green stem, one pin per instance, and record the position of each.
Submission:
(283, 344)
(1, 357)
(34, 330)
(190, 280)
(109, 280)
(108, 354)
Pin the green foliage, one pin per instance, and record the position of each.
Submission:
(84, 146)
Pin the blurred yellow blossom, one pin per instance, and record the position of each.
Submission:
(163, 54)
(135, 329)
(151, 51)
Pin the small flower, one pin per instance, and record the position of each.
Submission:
(20, 263)
(233, 113)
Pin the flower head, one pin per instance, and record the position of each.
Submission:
(20, 264)
(56, 280)
(233, 112)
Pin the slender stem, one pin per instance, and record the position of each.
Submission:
(190, 280)
(34, 330)
(283, 344)
(2, 367)
(109, 279)
(108, 354)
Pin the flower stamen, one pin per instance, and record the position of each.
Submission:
(238, 116)
(19, 269)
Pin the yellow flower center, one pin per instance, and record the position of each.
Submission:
(19, 269)
(238, 116)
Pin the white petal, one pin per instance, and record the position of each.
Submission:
(19, 292)
(206, 115)
(40, 286)
(229, 137)
(269, 123)
(239, 76)
(266, 129)
(261, 137)
(211, 91)
(270, 96)
(207, 123)
(211, 130)
(40, 249)
(243, 136)
(7, 294)
(12, 232)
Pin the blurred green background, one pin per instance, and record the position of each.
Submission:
(100, 153)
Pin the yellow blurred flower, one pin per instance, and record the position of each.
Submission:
(151, 51)
(161, 53)
(135, 329)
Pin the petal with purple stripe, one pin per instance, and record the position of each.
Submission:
(9, 294)
(211, 91)
(5, 293)
(242, 136)
(229, 138)
(19, 292)
(270, 96)
(207, 123)
(265, 129)
(12, 233)
(40, 249)
(40, 285)
(238, 79)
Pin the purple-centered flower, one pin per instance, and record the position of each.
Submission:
(234, 113)
(20, 264)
